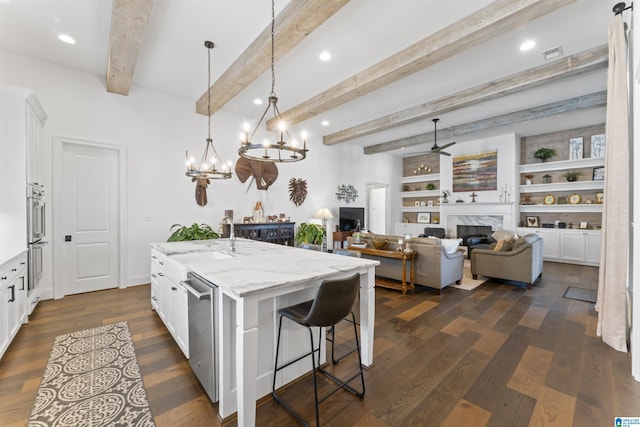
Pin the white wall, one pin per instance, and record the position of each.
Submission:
(157, 129)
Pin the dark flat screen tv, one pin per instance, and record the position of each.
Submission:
(349, 218)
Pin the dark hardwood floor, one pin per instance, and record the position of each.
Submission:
(495, 356)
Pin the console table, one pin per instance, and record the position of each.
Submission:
(404, 256)
(281, 233)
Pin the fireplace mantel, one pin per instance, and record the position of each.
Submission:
(498, 214)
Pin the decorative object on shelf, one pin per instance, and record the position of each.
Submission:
(544, 154)
(378, 244)
(347, 193)
(272, 152)
(598, 173)
(423, 204)
(324, 214)
(562, 200)
(597, 146)
(473, 197)
(583, 225)
(422, 168)
(407, 248)
(297, 190)
(549, 199)
(528, 179)
(445, 196)
(405, 188)
(527, 199)
(505, 193)
(207, 169)
(575, 148)
(416, 204)
(424, 218)
(532, 221)
(430, 203)
(572, 176)
(562, 224)
(546, 179)
(574, 199)
(459, 200)
(195, 232)
(357, 233)
(476, 172)
(258, 212)
(431, 186)
(435, 220)
(588, 202)
(599, 197)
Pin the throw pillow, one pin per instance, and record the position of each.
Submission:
(502, 234)
(450, 245)
(499, 245)
(508, 245)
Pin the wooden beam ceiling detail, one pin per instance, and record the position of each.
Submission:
(593, 100)
(128, 23)
(296, 21)
(489, 22)
(571, 66)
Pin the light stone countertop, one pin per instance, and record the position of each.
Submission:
(9, 254)
(257, 266)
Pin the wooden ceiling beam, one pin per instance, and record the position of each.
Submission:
(128, 23)
(571, 66)
(593, 100)
(295, 22)
(487, 23)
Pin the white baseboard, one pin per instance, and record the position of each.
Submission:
(138, 280)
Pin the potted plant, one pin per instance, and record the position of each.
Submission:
(572, 175)
(309, 233)
(195, 232)
(544, 154)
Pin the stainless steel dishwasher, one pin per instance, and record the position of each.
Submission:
(202, 337)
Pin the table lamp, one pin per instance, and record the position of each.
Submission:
(324, 214)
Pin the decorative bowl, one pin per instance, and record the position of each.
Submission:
(378, 244)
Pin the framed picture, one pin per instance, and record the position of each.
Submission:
(416, 204)
(583, 224)
(599, 197)
(424, 217)
(532, 221)
(598, 173)
(430, 203)
(575, 148)
(475, 172)
(597, 145)
(562, 200)
(423, 204)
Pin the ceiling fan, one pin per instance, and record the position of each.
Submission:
(435, 148)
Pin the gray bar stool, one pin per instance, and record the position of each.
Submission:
(332, 303)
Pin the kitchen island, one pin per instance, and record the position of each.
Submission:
(254, 282)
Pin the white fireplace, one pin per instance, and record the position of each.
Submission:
(497, 215)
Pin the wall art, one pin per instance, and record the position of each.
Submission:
(476, 172)
(347, 193)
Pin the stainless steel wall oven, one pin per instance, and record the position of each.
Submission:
(36, 231)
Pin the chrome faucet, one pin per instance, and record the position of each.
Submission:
(232, 233)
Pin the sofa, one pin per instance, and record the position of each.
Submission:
(517, 258)
(434, 266)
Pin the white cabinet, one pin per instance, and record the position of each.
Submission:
(569, 245)
(581, 246)
(12, 299)
(551, 241)
(169, 298)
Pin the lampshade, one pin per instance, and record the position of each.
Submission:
(324, 213)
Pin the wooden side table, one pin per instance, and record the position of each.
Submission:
(404, 256)
(340, 236)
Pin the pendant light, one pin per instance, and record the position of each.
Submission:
(278, 151)
(207, 168)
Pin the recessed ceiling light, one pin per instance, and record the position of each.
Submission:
(66, 38)
(527, 45)
(325, 123)
(257, 101)
(325, 56)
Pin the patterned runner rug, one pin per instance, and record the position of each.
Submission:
(92, 379)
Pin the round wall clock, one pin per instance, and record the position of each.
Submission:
(549, 199)
(574, 199)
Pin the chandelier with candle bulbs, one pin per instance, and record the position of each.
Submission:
(278, 151)
(207, 168)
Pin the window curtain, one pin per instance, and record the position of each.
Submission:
(613, 276)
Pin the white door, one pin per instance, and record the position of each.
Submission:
(90, 218)
(377, 210)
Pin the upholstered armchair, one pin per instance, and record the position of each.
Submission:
(522, 263)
